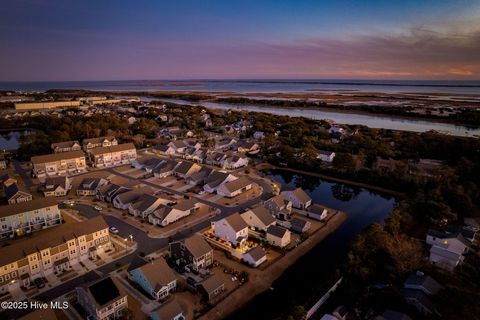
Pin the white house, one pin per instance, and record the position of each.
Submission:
(255, 256)
(217, 179)
(258, 218)
(278, 236)
(315, 211)
(299, 198)
(279, 206)
(235, 187)
(232, 229)
(156, 278)
(235, 161)
(165, 215)
(448, 250)
(326, 156)
(145, 205)
(123, 200)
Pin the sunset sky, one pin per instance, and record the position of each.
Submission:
(117, 40)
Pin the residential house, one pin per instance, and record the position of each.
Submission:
(167, 214)
(193, 252)
(216, 159)
(123, 200)
(420, 301)
(235, 187)
(26, 217)
(89, 186)
(195, 155)
(255, 257)
(199, 177)
(147, 164)
(59, 164)
(7, 180)
(299, 198)
(145, 205)
(258, 218)
(56, 187)
(326, 156)
(212, 287)
(109, 191)
(165, 150)
(278, 236)
(420, 281)
(100, 142)
(170, 310)
(315, 211)
(225, 144)
(300, 225)
(165, 168)
(156, 278)
(113, 156)
(217, 179)
(51, 251)
(185, 169)
(66, 146)
(235, 161)
(246, 146)
(448, 250)
(15, 194)
(279, 206)
(232, 229)
(102, 300)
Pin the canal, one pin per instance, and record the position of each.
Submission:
(311, 275)
(351, 118)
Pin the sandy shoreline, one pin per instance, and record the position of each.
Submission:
(262, 280)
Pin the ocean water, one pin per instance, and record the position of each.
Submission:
(262, 86)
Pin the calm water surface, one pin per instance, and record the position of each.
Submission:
(308, 278)
(11, 140)
(372, 121)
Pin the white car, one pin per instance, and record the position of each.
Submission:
(69, 202)
(113, 230)
(98, 208)
(202, 192)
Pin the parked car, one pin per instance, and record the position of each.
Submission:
(98, 208)
(39, 283)
(202, 192)
(113, 230)
(69, 202)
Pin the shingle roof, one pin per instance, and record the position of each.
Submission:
(277, 231)
(263, 214)
(169, 310)
(9, 210)
(237, 184)
(57, 157)
(424, 281)
(116, 148)
(236, 222)
(158, 273)
(212, 283)
(50, 238)
(257, 253)
(197, 245)
(300, 195)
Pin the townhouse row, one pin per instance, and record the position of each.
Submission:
(74, 162)
(52, 251)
